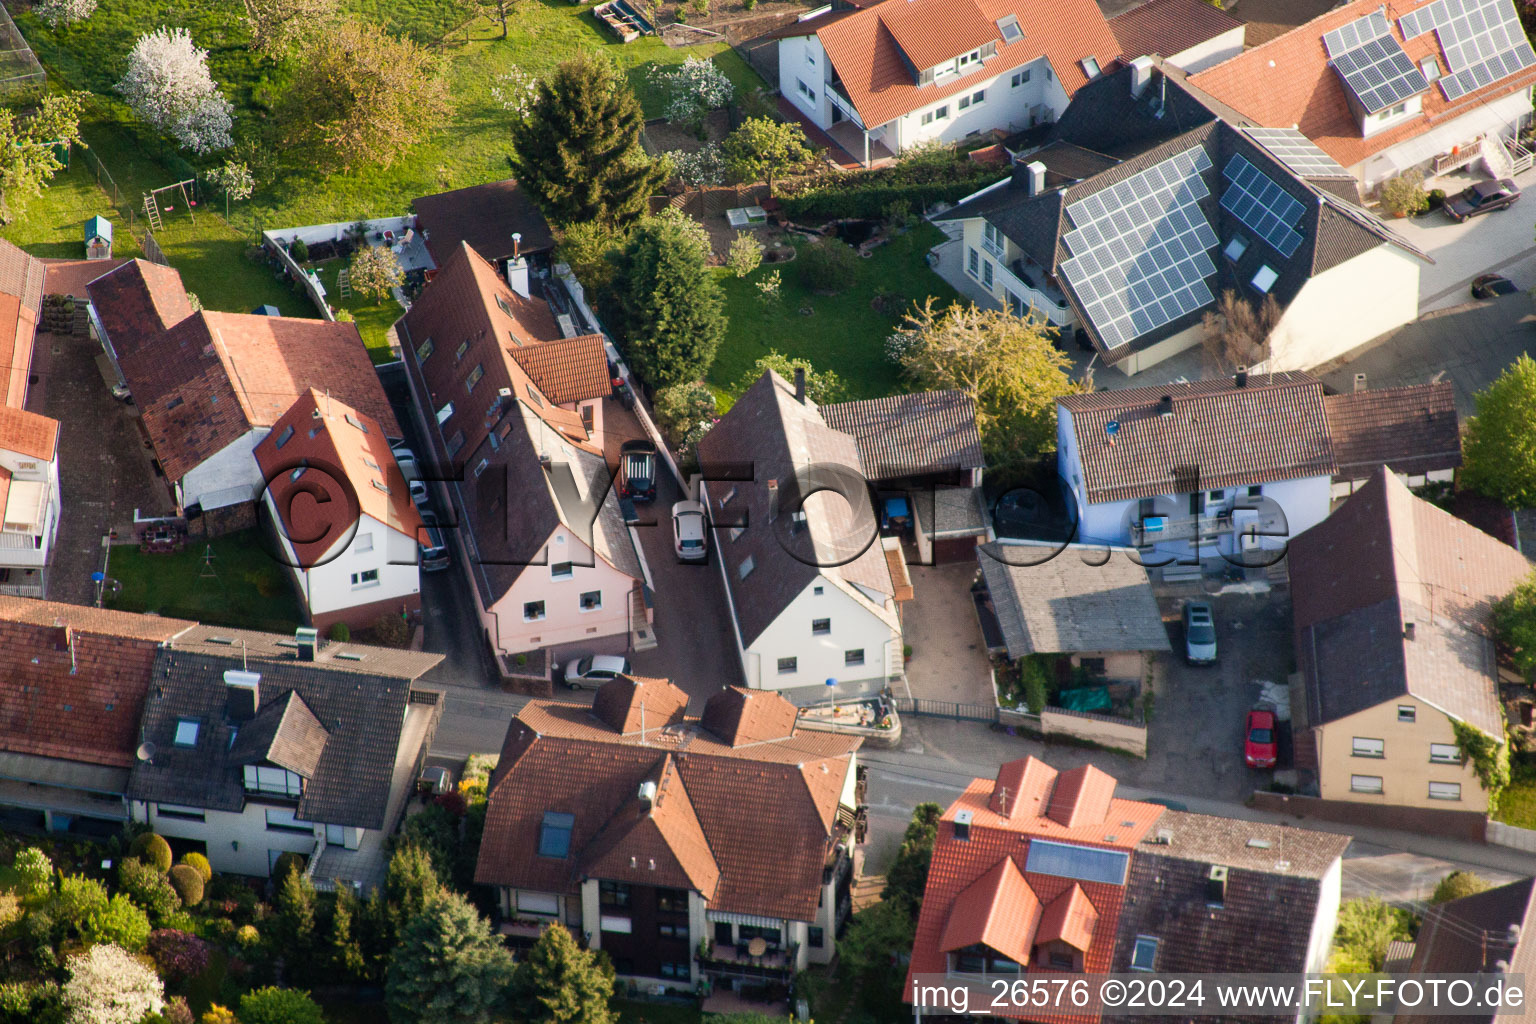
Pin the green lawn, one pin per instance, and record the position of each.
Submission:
(248, 589)
(374, 319)
(843, 333)
(637, 1012)
(52, 225)
(1517, 801)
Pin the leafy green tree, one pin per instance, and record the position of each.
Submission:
(746, 254)
(828, 265)
(375, 271)
(763, 149)
(1514, 622)
(577, 148)
(682, 408)
(295, 926)
(875, 935)
(561, 983)
(410, 883)
(78, 897)
(1458, 884)
(908, 876)
(664, 303)
(279, 1006)
(436, 831)
(148, 888)
(35, 870)
(277, 25)
(120, 922)
(1366, 927)
(448, 968)
(346, 950)
(1007, 365)
(822, 387)
(586, 247)
(28, 143)
(1498, 450)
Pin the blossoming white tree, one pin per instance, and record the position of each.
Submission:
(58, 13)
(108, 986)
(694, 88)
(168, 85)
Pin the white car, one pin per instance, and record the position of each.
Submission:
(592, 671)
(690, 531)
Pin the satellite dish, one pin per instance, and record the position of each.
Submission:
(146, 751)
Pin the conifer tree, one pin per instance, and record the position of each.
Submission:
(561, 983)
(448, 967)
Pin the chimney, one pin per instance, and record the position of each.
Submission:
(1034, 178)
(1141, 76)
(1165, 406)
(1216, 886)
(517, 243)
(517, 275)
(773, 500)
(800, 384)
(242, 695)
(1359, 383)
(308, 641)
(1241, 379)
(963, 826)
(648, 793)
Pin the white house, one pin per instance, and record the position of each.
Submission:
(29, 499)
(342, 513)
(812, 599)
(891, 76)
(1446, 104)
(1146, 206)
(255, 745)
(1231, 469)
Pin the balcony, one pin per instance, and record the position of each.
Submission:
(993, 249)
(735, 961)
(1262, 517)
(841, 101)
(1030, 285)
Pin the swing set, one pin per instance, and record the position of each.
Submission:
(152, 201)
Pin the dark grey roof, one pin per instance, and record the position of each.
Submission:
(1104, 118)
(1074, 600)
(362, 714)
(1472, 935)
(333, 655)
(908, 435)
(285, 733)
(770, 438)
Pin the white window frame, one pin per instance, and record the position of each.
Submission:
(556, 574)
(1365, 746)
(1142, 942)
(581, 602)
(1264, 279)
(1444, 753)
(973, 263)
(986, 273)
(1090, 66)
(365, 578)
(1407, 713)
(794, 666)
(187, 730)
(536, 903)
(543, 611)
(1372, 784)
(1446, 791)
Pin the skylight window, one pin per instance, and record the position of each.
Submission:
(1084, 863)
(1091, 67)
(1009, 27)
(555, 834)
(186, 732)
(352, 419)
(1265, 279)
(1144, 953)
(1235, 248)
(285, 436)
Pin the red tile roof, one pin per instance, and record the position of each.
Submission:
(28, 434)
(871, 49)
(569, 370)
(21, 303)
(213, 377)
(740, 716)
(1287, 82)
(137, 302)
(483, 216)
(1081, 797)
(70, 277)
(998, 910)
(336, 443)
(1169, 27)
(767, 811)
(631, 703)
(1412, 429)
(1070, 918)
(99, 621)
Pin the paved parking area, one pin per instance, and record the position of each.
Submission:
(949, 661)
(104, 464)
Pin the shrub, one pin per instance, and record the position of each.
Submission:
(35, 869)
(279, 1006)
(1036, 686)
(682, 407)
(391, 631)
(248, 937)
(219, 1015)
(829, 265)
(286, 863)
(927, 176)
(344, 316)
(32, 1002)
(108, 986)
(177, 1011)
(177, 954)
(746, 253)
(120, 922)
(152, 849)
(78, 897)
(1458, 884)
(148, 888)
(299, 251)
(188, 884)
(1404, 194)
(10, 908)
(340, 632)
(200, 864)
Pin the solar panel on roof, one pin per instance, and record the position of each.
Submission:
(1297, 152)
(1264, 207)
(1084, 863)
(1482, 41)
(1139, 249)
(1355, 34)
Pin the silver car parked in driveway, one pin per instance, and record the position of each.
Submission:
(690, 531)
(1199, 633)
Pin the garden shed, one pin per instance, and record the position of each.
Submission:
(98, 238)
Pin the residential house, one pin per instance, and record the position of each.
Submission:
(922, 449)
(1092, 604)
(29, 442)
(1392, 602)
(1490, 932)
(514, 414)
(810, 589)
(1232, 468)
(886, 77)
(1412, 428)
(499, 220)
(344, 516)
(1148, 204)
(209, 386)
(715, 848)
(1431, 86)
(1046, 874)
(254, 745)
(73, 684)
(1190, 34)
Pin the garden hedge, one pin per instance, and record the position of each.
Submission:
(868, 196)
(152, 850)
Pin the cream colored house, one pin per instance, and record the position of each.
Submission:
(1392, 600)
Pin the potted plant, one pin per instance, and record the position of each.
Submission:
(1404, 194)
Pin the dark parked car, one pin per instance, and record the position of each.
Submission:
(1490, 285)
(1484, 197)
(637, 471)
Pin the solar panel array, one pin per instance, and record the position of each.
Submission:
(1372, 64)
(1265, 208)
(1139, 249)
(1482, 41)
(1297, 152)
(1084, 863)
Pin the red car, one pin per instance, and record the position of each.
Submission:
(1259, 747)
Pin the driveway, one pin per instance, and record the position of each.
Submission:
(1469, 345)
(949, 661)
